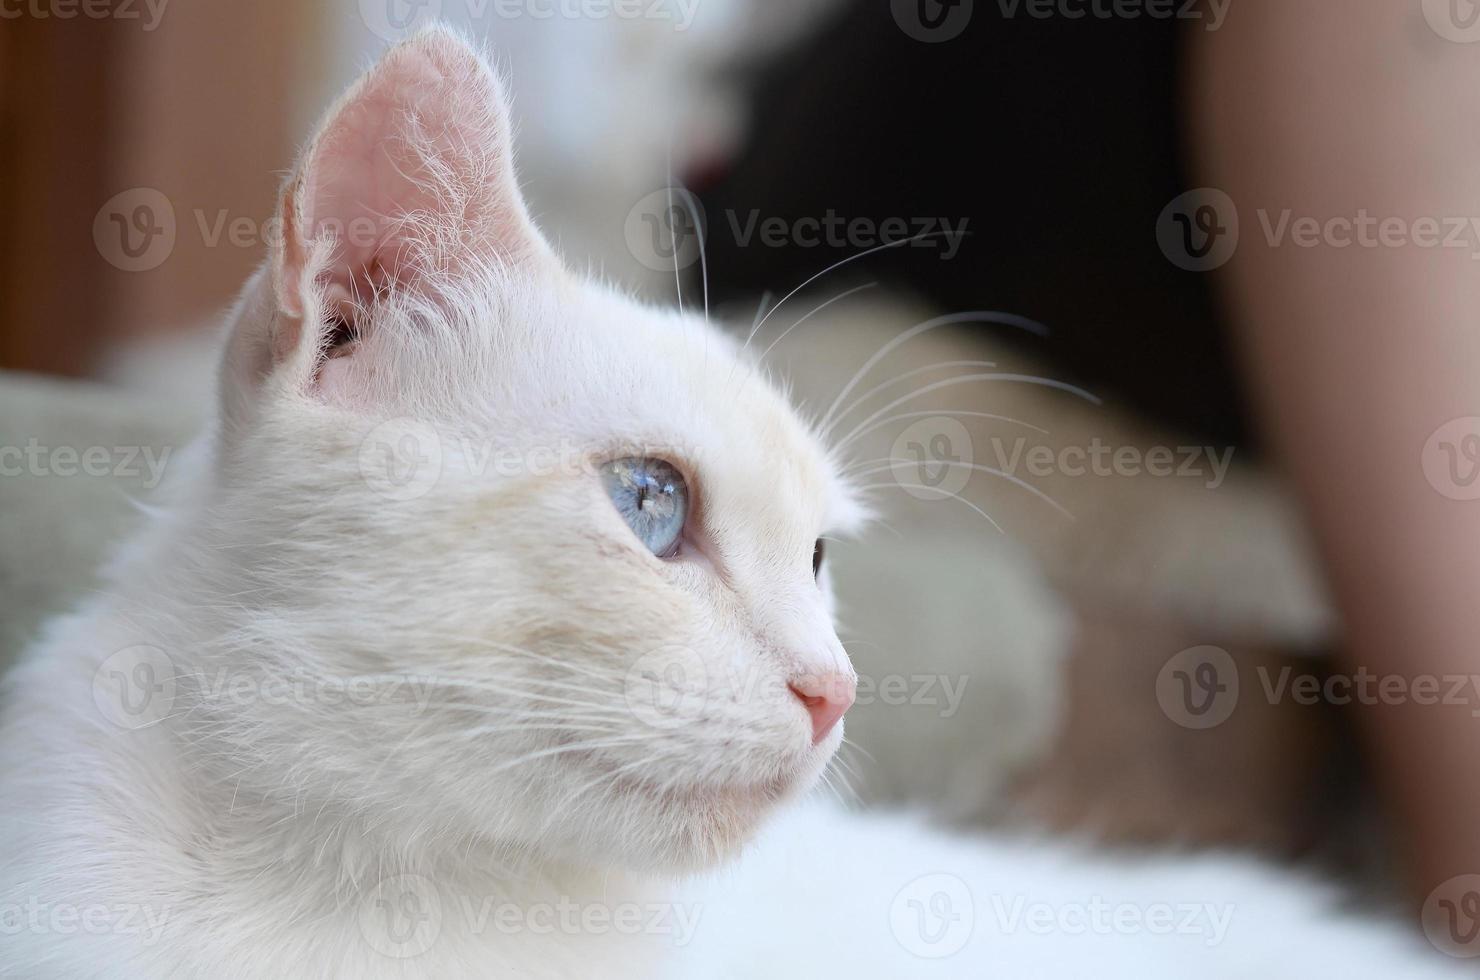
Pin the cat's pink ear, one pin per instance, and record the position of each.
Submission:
(410, 176)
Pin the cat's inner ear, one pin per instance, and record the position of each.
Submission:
(410, 178)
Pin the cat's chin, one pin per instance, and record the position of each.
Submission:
(704, 825)
(737, 797)
(711, 830)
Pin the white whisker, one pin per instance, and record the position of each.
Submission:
(905, 375)
(978, 316)
(952, 413)
(943, 493)
(811, 313)
(1029, 379)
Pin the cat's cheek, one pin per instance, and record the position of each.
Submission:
(694, 560)
(697, 554)
(692, 593)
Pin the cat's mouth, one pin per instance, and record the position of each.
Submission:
(729, 795)
(736, 796)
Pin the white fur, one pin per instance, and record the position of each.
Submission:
(448, 696)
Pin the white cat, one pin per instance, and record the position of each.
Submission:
(491, 611)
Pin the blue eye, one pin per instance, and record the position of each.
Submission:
(651, 497)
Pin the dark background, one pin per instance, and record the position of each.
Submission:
(1060, 140)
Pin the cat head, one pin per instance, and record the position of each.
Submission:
(582, 532)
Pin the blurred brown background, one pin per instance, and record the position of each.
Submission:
(196, 101)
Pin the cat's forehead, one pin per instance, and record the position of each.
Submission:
(617, 371)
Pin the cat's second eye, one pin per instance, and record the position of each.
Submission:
(652, 498)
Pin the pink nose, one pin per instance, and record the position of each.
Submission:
(826, 697)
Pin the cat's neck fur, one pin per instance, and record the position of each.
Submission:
(216, 871)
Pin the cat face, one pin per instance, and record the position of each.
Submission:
(582, 531)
